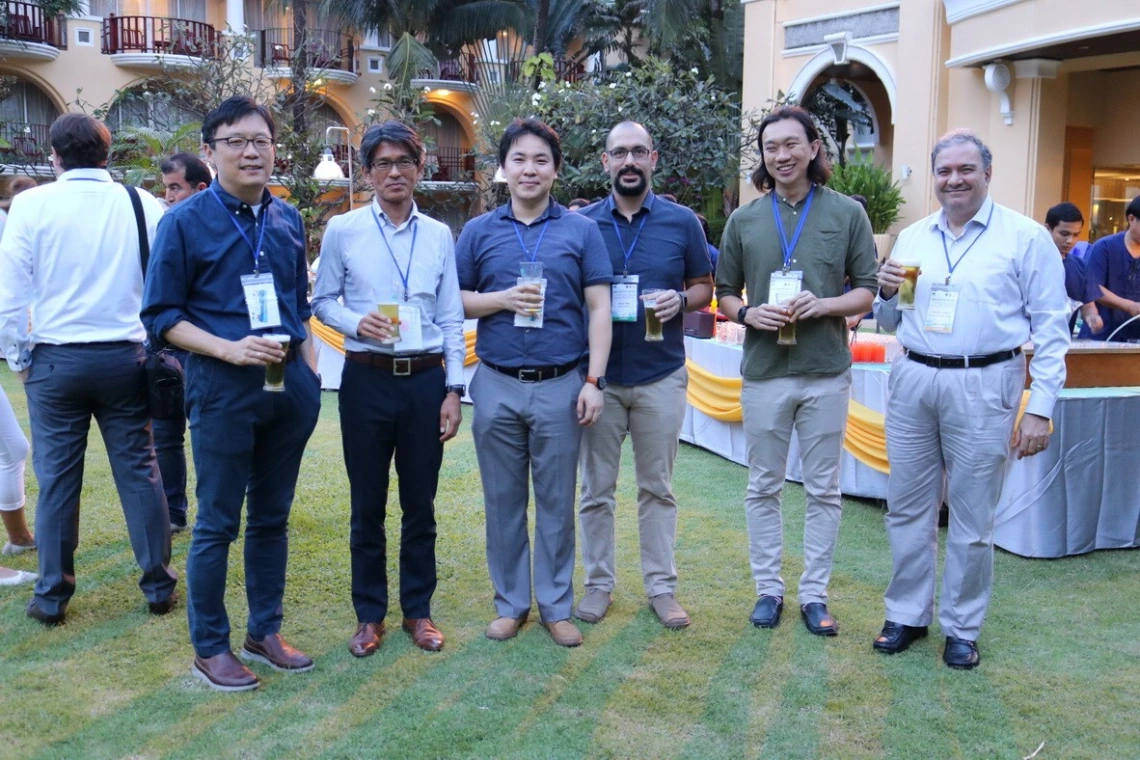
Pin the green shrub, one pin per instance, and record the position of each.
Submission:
(860, 176)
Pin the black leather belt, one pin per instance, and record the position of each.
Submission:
(962, 362)
(533, 374)
(401, 366)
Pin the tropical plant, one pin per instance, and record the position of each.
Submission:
(861, 176)
(140, 151)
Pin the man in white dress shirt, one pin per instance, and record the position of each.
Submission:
(70, 253)
(395, 396)
(990, 281)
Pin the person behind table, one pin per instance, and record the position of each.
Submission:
(395, 397)
(990, 281)
(1114, 278)
(229, 268)
(805, 240)
(70, 254)
(653, 244)
(1064, 222)
(531, 397)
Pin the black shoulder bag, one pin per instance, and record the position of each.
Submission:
(164, 381)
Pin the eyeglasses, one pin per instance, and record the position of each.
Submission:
(619, 154)
(239, 143)
(384, 166)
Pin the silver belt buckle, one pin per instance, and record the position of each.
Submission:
(529, 375)
(401, 370)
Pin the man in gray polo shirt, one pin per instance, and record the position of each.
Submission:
(792, 249)
(531, 400)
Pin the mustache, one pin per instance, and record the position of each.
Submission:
(631, 170)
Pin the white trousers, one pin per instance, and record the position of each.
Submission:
(13, 455)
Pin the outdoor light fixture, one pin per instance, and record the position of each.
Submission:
(328, 169)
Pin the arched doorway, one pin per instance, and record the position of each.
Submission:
(26, 115)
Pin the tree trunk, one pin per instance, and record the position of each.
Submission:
(542, 17)
(300, 63)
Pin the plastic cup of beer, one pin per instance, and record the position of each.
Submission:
(911, 270)
(275, 372)
(652, 323)
(390, 308)
(530, 272)
(787, 334)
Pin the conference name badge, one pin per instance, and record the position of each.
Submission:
(784, 286)
(411, 329)
(623, 298)
(261, 300)
(942, 308)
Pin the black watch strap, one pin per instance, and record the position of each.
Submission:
(740, 315)
(684, 301)
(460, 389)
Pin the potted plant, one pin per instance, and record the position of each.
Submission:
(860, 176)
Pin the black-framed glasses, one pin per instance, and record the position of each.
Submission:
(384, 166)
(239, 143)
(619, 154)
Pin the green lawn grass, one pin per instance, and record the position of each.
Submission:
(1061, 649)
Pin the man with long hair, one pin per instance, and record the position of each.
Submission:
(792, 250)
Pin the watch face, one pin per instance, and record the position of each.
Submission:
(601, 383)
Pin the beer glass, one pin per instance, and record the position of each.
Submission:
(911, 270)
(652, 323)
(275, 372)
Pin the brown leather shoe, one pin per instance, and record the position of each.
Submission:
(165, 606)
(503, 628)
(564, 633)
(671, 614)
(424, 634)
(224, 672)
(367, 639)
(277, 654)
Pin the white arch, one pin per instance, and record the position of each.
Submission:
(827, 57)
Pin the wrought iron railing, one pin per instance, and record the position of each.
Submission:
(450, 165)
(154, 34)
(26, 22)
(323, 49)
(26, 142)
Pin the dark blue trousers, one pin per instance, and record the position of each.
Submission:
(67, 386)
(382, 415)
(247, 446)
(170, 448)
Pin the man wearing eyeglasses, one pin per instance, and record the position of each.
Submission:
(653, 245)
(1114, 278)
(395, 396)
(229, 268)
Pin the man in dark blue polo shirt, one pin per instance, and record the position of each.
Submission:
(1114, 278)
(228, 268)
(1064, 222)
(531, 403)
(654, 245)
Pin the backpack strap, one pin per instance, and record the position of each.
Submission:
(140, 221)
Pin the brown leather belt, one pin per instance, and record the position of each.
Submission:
(400, 366)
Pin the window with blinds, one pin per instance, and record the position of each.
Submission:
(190, 10)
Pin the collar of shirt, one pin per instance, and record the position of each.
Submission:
(236, 205)
(384, 217)
(980, 218)
(99, 175)
(798, 204)
(553, 211)
(646, 205)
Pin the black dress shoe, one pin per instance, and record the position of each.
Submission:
(766, 613)
(164, 606)
(961, 654)
(818, 620)
(896, 637)
(36, 613)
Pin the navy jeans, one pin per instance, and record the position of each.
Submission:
(170, 448)
(247, 446)
(68, 385)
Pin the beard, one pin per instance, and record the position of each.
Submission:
(630, 190)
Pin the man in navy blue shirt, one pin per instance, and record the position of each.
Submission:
(228, 268)
(531, 399)
(653, 245)
(1064, 222)
(1114, 278)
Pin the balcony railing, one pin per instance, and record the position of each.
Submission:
(25, 22)
(460, 69)
(151, 34)
(323, 49)
(450, 165)
(27, 143)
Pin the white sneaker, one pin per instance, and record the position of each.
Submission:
(21, 577)
(12, 549)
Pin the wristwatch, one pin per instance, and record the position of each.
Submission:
(460, 389)
(684, 301)
(599, 381)
(740, 315)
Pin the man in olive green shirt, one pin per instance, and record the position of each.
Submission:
(792, 249)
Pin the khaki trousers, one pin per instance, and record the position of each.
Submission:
(652, 414)
(960, 420)
(816, 407)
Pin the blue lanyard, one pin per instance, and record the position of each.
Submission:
(531, 256)
(257, 251)
(404, 275)
(951, 267)
(789, 247)
(627, 252)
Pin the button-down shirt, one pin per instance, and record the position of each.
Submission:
(573, 256)
(1111, 265)
(357, 268)
(70, 253)
(1012, 289)
(670, 248)
(199, 258)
